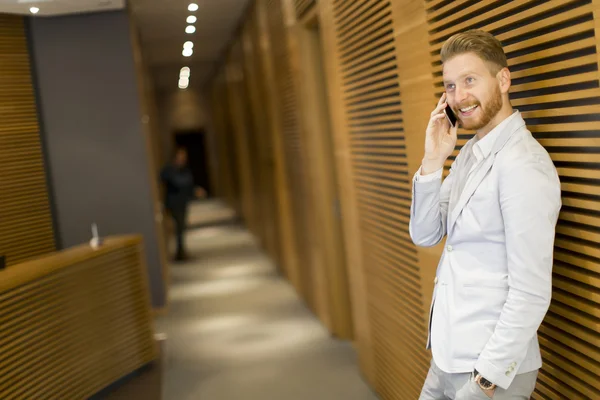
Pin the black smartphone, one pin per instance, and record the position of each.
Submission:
(450, 115)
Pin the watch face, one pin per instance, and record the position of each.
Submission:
(484, 383)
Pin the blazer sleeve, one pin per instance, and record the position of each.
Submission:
(530, 201)
(429, 208)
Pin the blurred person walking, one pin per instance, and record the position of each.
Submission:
(179, 191)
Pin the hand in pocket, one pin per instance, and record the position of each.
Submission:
(472, 391)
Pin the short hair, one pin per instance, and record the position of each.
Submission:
(481, 43)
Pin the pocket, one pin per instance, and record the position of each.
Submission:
(471, 391)
(477, 392)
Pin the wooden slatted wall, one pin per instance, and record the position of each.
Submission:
(265, 195)
(291, 136)
(384, 78)
(74, 322)
(290, 261)
(228, 181)
(368, 66)
(302, 6)
(242, 131)
(25, 215)
(552, 52)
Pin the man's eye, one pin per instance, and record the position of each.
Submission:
(450, 86)
(470, 80)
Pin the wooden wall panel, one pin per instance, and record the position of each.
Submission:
(26, 228)
(552, 52)
(241, 123)
(75, 321)
(329, 258)
(290, 261)
(228, 179)
(293, 144)
(348, 200)
(265, 193)
(369, 67)
(383, 79)
(301, 7)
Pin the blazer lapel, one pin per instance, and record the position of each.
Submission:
(472, 184)
(480, 172)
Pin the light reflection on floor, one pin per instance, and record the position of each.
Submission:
(198, 290)
(236, 330)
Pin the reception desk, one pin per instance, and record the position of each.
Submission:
(74, 322)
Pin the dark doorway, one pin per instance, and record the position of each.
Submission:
(195, 143)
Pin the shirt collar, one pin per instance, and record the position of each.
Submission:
(483, 147)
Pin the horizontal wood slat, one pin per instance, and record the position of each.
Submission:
(74, 321)
(284, 60)
(372, 97)
(551, 49)
(385, 71)
(303, 6)
(26, 228)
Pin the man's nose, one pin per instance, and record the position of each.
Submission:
(460, 95)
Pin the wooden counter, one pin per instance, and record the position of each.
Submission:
(74, 321)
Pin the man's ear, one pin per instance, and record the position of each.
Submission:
(503, 77)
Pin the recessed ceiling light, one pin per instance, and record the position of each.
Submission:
(193, 7)
(183, 83)
(191, 19)
(184, 72)
(34, 10)
(190, 29)
(187, 52)
(188, 45)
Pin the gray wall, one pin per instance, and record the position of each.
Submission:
(90, 116)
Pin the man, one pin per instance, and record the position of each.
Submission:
(179, 191)
(498, 207)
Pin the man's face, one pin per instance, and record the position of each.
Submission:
(181, 158)
(473, 92)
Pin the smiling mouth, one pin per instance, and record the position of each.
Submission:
(466, 111)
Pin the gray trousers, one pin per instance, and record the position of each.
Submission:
(440, 385)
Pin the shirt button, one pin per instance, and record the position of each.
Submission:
(449, 248)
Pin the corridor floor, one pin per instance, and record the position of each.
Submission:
(236, 330)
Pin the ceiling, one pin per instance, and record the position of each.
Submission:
(162, 24)
(59, 7)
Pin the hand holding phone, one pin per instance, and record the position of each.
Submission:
(450, 115)
(440, 137)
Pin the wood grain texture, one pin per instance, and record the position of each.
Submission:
(75, 321)
(26, 228)
(241, 127)
(290, 261)
(285, 63)
(263, 149)
(301, 7)
(324, 179)
(383, 78)
(553, 56)
(228, 187)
